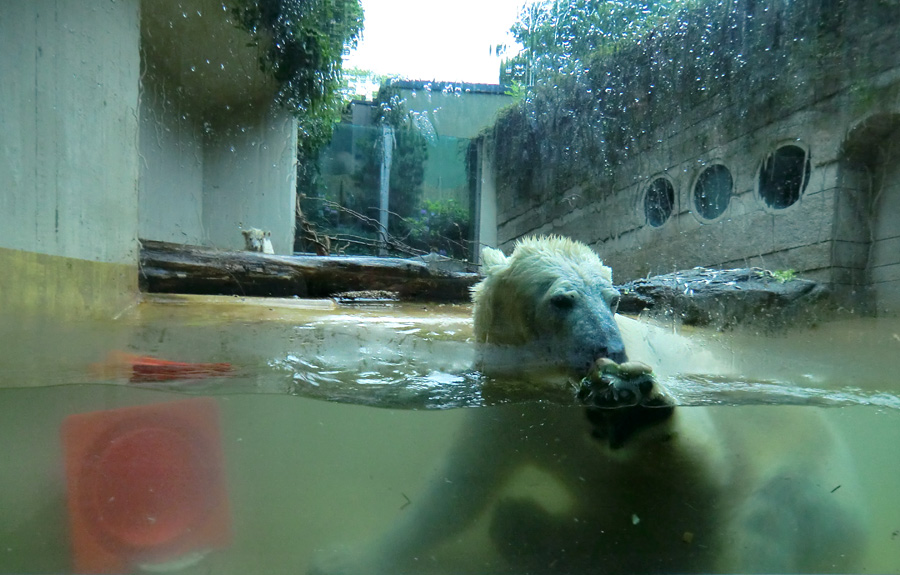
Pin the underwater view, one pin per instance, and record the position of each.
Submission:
(334, 419)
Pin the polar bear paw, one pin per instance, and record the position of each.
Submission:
(623, 399)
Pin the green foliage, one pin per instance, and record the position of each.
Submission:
(348, 212)
(314, 132)
(560, 37)
(407, 170)
(784, 275)
(303, 43)
(441, 227)
(517, 90)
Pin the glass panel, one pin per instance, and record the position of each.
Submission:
(510, 286)
(712, 192)
(783, 176)
(659, 202)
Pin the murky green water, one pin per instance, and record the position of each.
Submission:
(304, 473)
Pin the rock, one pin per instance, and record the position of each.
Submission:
(726, 298)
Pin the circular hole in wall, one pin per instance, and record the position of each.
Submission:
(783, 176)
(659, 200)
(712, 192)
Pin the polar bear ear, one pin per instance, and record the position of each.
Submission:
(492, 261)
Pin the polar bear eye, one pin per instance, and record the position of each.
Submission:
(612, 298)
(563, 300)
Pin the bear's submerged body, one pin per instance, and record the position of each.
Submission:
(762, 489)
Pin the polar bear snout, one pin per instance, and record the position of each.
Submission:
(596, 340)
(615, 353)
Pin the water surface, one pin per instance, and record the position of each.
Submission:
(335, 418)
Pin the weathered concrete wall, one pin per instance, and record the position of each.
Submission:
(203, 180)
(68, 155)
(885, 254)
(88, 161)
(249, 178)
(455, 110)
(171, 180)
(870, 173)
(485, 201)
(725, 86)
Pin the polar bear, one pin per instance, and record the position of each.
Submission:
(646, 489)
(257, 240)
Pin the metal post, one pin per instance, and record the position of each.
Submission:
(387, 146)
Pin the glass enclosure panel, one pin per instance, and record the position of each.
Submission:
(422, 207)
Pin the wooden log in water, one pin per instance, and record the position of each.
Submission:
(175, 268)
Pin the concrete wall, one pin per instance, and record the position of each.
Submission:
(249, 178)
(218, 155)
(455, 110)
(458, 112)
(171, 176)
(445, 171)
(98, 147)
(885, 254)
(870, 172)
(68, 161)
(485, 202)
(206, 175)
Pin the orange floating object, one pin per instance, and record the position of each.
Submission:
(145, 368)
(145, 485)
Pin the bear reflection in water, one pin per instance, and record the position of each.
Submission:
(653, 488)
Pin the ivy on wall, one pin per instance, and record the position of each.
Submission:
(758, 60)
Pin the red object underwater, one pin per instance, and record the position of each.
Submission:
(146, 485)
(145, 368)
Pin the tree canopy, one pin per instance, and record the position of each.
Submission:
(303, 43)
(561, 36)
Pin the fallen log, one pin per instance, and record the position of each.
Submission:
(175, 268)
(703, 297)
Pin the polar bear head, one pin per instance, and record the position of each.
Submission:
(551, 303)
